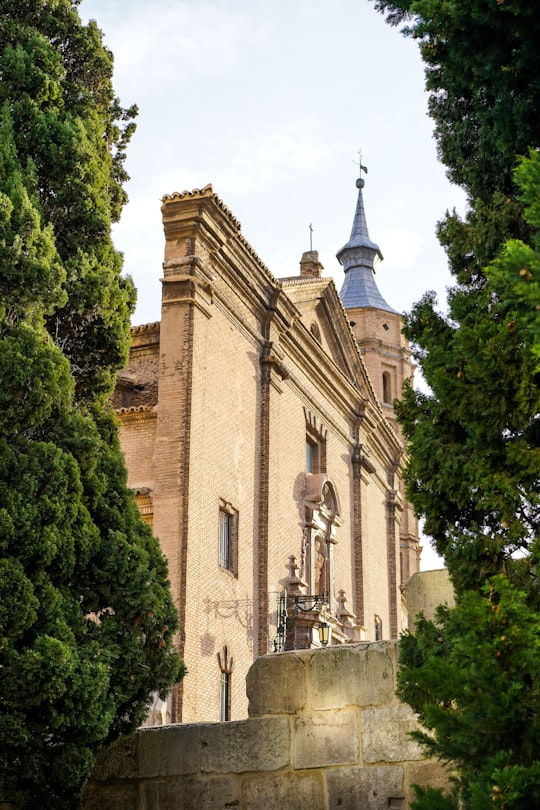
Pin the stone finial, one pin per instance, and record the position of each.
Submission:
(310, 264)
(345, 616)
(294, 583)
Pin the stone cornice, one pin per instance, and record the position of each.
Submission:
(201, 212)
(136, 413)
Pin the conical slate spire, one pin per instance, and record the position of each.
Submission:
(358, 257)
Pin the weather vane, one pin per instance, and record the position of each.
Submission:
(310, 236)
(361, 167)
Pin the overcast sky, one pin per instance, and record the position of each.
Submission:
(271, 103)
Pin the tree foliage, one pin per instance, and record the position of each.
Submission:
(474, 470)
(480, 693)
(86, 618)
(515, 274)
(482, 68)
(473, 675)
(70, 134)
(474, 467)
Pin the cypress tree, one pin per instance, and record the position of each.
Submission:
(472, 675)
(86, 617)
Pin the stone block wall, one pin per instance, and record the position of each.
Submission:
(325, 732)
(425, 591)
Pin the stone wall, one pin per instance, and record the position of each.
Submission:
(325, 731)
(425, 591)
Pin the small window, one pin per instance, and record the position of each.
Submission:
(386, 387)
(316, 436)
(312, 456)
(224, 539)
(225, 697)
(228, 538)
(226, 666)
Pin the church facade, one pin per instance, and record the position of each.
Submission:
(257, 424)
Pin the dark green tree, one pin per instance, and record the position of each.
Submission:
(473, 675)
(86, 618)
(515, 275)
(481, 696)
(70, 133)
(474, 470)
(482, 68)
(473, 439)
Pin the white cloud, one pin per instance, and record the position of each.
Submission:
(260, 162)
(167, 43)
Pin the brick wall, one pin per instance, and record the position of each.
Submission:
(215, 405)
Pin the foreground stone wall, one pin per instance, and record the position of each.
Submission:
(425, 591)
(325, 731)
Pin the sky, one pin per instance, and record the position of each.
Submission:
(271, 103)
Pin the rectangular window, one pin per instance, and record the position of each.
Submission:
(228, 538)
(312, 456)
(225, 697)
(224, 539)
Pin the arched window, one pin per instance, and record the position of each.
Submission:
(226, 666)
(386, 387)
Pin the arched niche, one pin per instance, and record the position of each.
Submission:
(322, 518)
(387, 387)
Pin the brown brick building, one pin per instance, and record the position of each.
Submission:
(258, 429)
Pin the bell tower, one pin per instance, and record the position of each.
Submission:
(385, 351)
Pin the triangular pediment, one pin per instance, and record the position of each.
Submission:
(323, 316)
